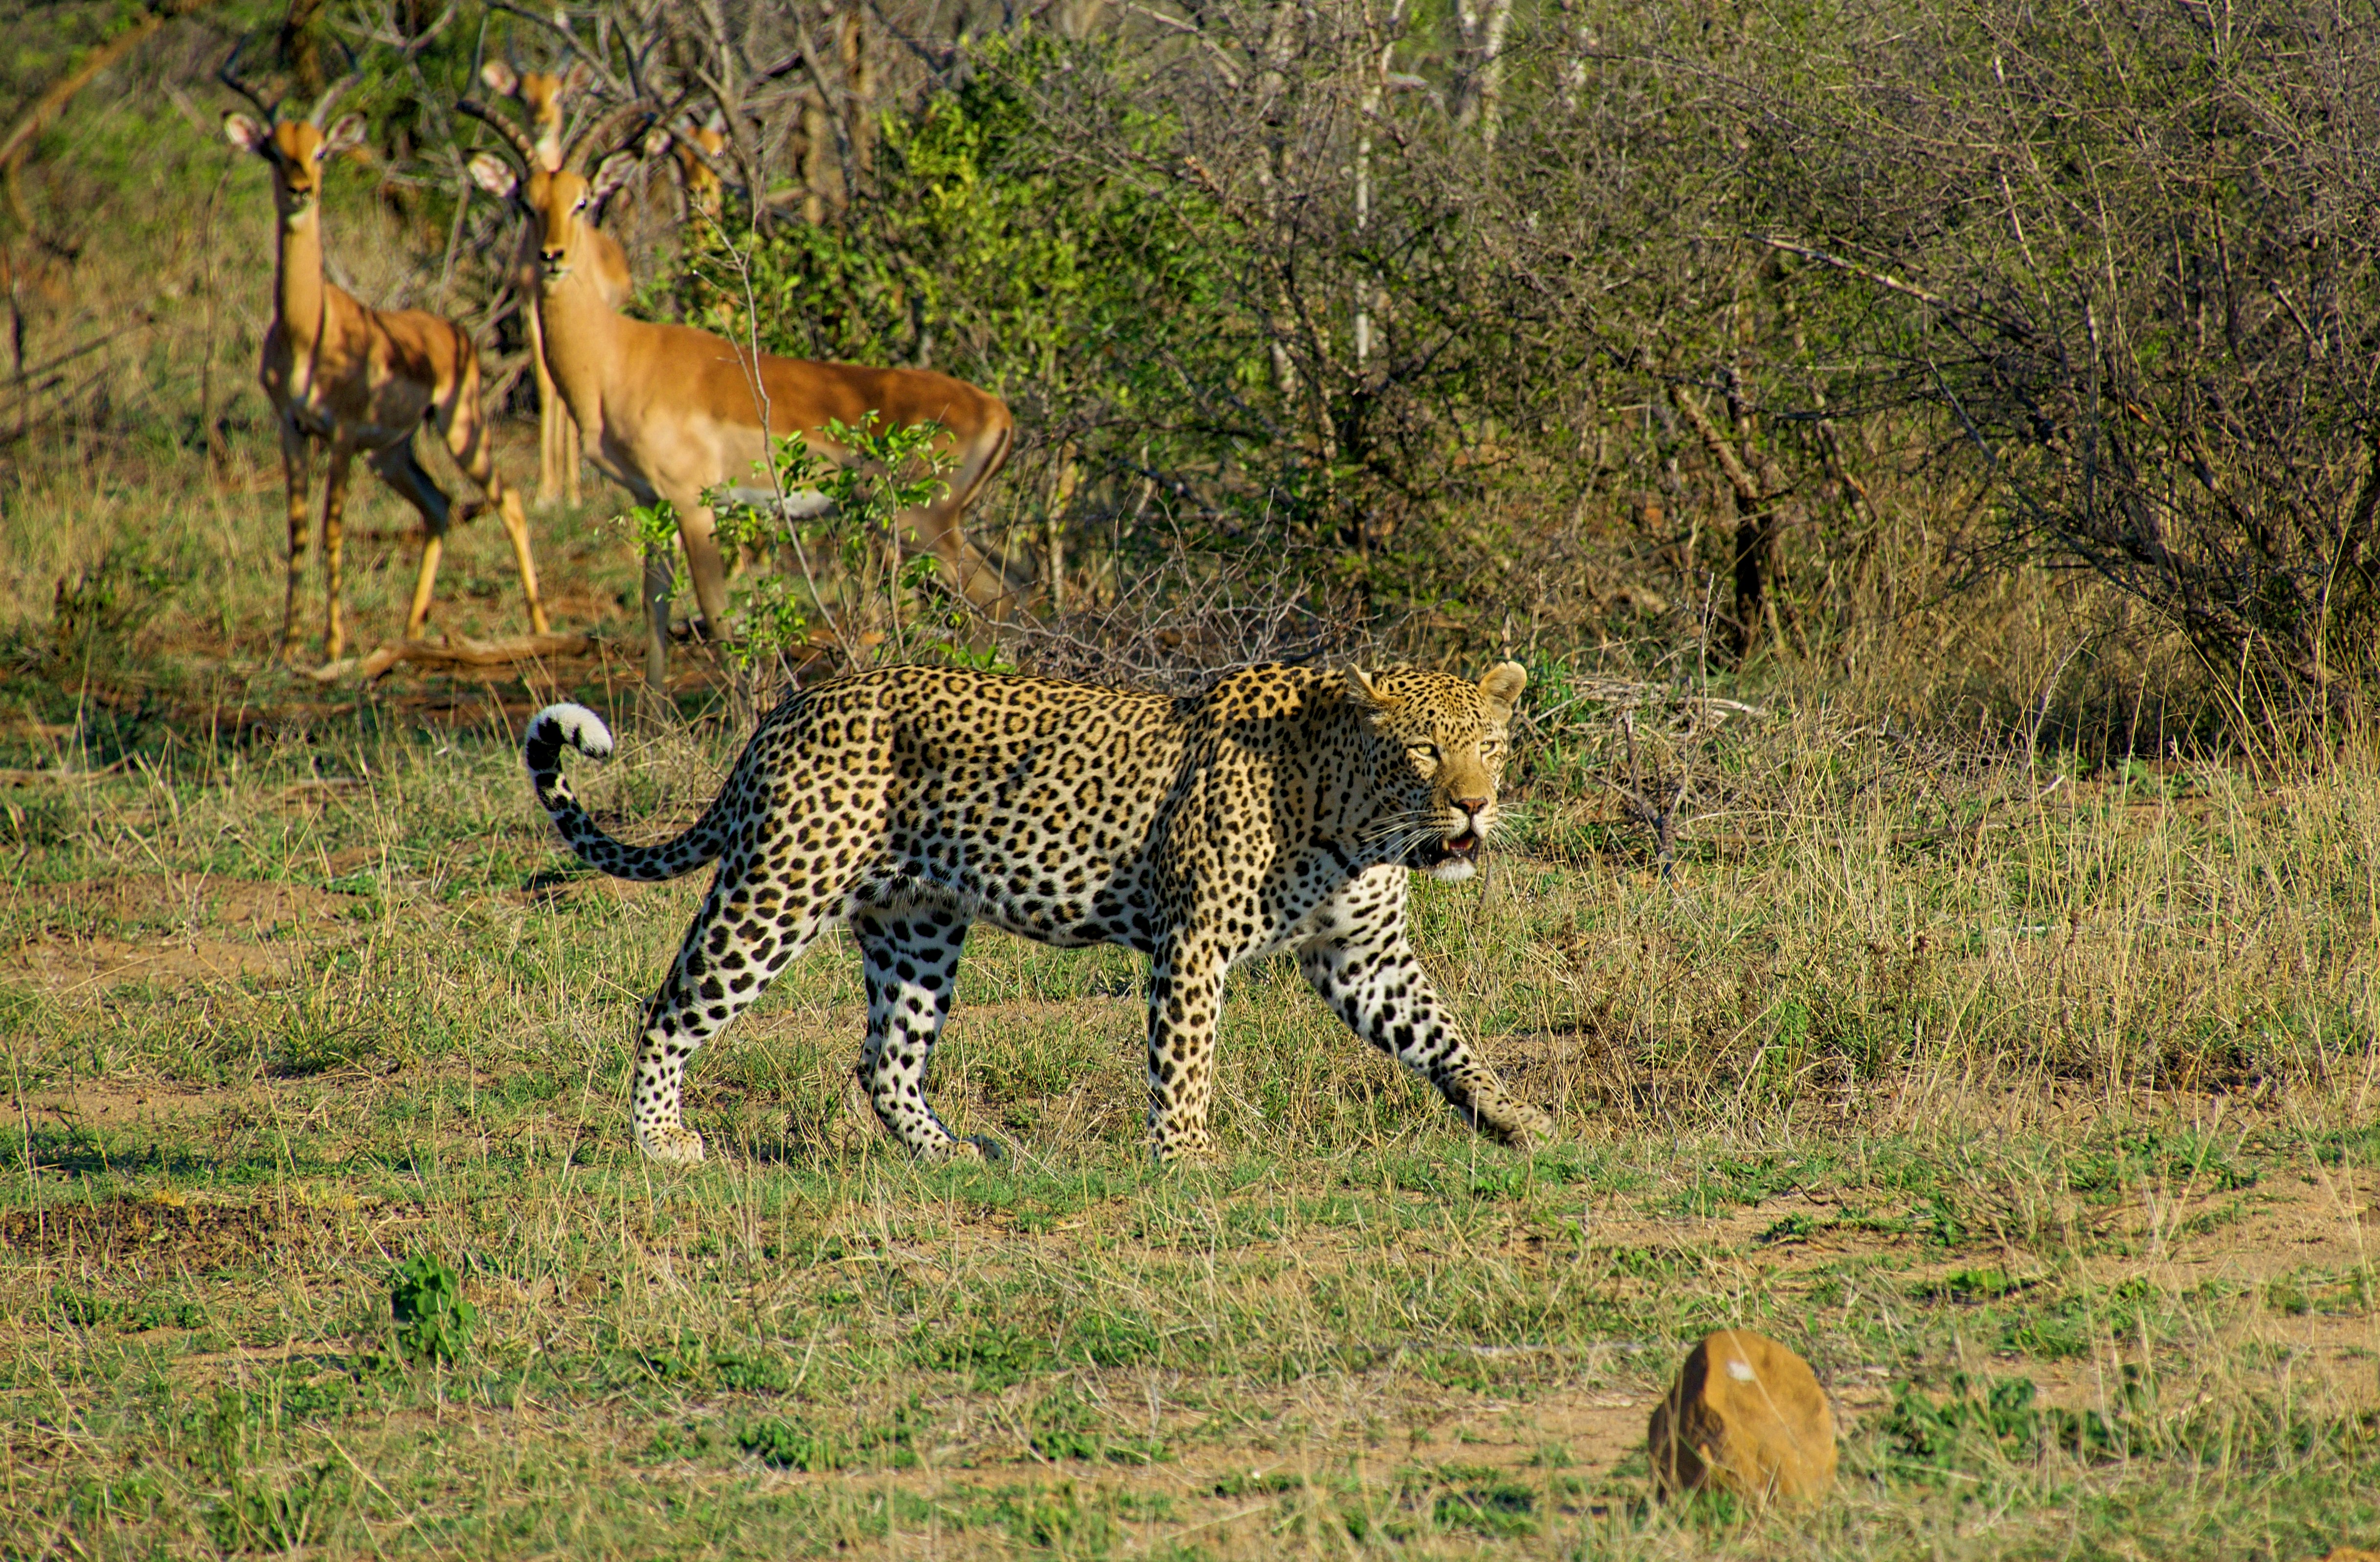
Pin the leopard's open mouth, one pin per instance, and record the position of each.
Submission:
(1463, 848)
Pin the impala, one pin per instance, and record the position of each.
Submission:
(669, 411)
(696, 148)
(541, 95)
(360, 379)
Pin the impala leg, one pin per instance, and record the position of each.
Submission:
(467, 442)
(704, 562)
(660, 583)
(571, 447)
(335, 501)
(425, 585)
(400, 469)
(296, 463)
(941, 526)
(551, 419)
(517, 532)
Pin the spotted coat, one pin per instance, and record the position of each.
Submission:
(1282, 810)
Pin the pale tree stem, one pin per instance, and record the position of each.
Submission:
(1281, 42)
(1483, 29)
(1375, 94)
(1573, 66)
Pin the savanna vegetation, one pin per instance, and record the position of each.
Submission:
(1925, 456)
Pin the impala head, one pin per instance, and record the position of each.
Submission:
(1438, 745)
(560, 203)
(696, 148)
(295, 147)
(541, 94)
(560, 206)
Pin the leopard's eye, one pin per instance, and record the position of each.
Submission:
(1423, 751)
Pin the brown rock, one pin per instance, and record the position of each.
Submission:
(1747, 1415)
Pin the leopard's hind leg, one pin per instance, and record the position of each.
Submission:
(910, 959)
(758, 915)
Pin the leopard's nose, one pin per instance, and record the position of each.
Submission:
(1471, 805)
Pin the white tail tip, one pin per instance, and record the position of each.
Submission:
(581, 728)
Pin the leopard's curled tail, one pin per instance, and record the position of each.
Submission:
(581, 729)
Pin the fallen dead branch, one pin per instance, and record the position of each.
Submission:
(457, 652)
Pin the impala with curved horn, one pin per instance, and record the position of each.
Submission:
(361, 380)
(697, 146)
(541, 95)
(669, 411)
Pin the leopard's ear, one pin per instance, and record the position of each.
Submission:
(1504, 685)
(1362, 693)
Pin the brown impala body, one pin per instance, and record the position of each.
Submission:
(668, 411)
(541, 95)
(361, 381)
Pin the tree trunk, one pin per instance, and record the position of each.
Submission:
(1757, 497)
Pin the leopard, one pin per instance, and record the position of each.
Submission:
(1285, 809)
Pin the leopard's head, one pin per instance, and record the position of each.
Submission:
(1440, 757)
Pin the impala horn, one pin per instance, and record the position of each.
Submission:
(514, 136)
(610, 132)
(230, 77)
(331, 94)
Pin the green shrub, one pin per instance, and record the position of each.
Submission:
(434, 1318)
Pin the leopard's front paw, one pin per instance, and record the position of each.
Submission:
(979, 1147)
(670, 1143)
(1512, 1123)
(1190, 1148)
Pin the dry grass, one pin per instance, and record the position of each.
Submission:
(1928, 1057)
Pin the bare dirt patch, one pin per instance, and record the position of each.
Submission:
(88, 936)
(191, 1236)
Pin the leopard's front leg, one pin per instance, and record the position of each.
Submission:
(656, 1104)
(1372, 977)
(1185, 1004)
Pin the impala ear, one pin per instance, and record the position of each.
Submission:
(578, 78)
(246, 133)
(610, 176)
(1362, 693)
(493, 174)
(1504, 685)
(502, 79)
(344, 136)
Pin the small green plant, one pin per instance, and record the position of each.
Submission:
(1498, 1509)
(676, 1441)
(995, 1354)
(80, 1310)
(434, 1318)
(104, 605)
(1975, 1285)
(846, 514)
(2001, 1419)
(255, 1513)
(750, 1374)
(779, 1441)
